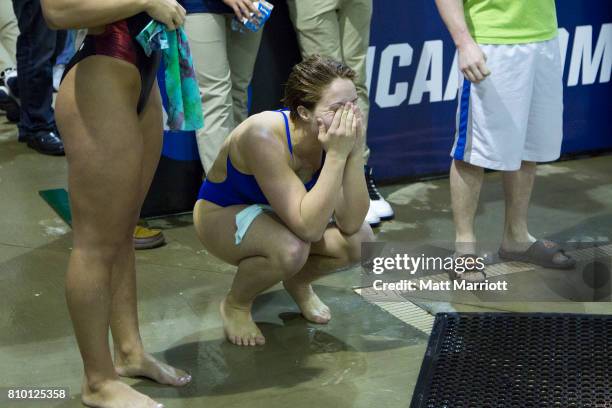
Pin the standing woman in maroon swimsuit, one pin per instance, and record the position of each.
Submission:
(109, 113)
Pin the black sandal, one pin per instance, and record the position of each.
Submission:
(541, 253)
(453, 275)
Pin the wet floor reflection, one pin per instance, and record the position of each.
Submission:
(296, 352)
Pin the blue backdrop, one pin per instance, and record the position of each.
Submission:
(413, 84)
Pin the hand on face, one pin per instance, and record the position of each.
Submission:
(339, 139)
(360, 135)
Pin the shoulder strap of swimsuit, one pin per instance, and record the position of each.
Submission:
(287, 131)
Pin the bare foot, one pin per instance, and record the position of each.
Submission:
(115, 394)
(309, 303)
(145, 365)
(240, 329)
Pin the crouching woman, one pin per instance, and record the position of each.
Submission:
(279, 178)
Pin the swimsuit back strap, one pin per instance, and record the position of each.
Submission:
(287, 131)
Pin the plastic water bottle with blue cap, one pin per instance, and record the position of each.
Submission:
(254, 23)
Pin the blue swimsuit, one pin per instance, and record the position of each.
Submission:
(240, 188)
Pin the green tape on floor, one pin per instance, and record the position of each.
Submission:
(58, 200)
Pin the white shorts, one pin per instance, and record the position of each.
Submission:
(516, 113)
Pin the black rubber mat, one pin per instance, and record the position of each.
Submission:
(516, 360)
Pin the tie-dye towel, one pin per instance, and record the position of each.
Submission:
(184, 103)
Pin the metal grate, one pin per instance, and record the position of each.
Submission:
(400, 308)
(510, 360)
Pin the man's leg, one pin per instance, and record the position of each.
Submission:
(354, 18)
(35, 50)
(542, 144)
(465, 185)
(36, 46)
(8, 36)
(317, 27)
(518, 186)
(208, 43)
(8, 44)
(242, 49)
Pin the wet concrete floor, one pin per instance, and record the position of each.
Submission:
(364, 358)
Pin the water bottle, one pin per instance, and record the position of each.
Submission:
(264, 8)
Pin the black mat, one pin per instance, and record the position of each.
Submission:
(508, 360)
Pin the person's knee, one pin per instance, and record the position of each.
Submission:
(354, 241)
(101, 254)
(103, 249)
(291, 256)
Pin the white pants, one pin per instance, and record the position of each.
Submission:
(515, 114)
(339, 29)
(9, 31)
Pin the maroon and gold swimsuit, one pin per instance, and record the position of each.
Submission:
(119, 41)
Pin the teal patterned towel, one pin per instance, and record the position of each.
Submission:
(184, 103)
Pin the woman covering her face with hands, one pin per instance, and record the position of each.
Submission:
(109, 112)
(280, 176)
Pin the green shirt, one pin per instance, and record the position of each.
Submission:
(511, 21)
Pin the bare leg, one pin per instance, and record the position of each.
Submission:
(465, 184)
(518, 186)
(334, 251)
(300, 287)
(268, 254)
(104, 161)
(130, 358)
(280, 256)
(254, 275)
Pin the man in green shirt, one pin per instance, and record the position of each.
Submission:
(509, 116)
